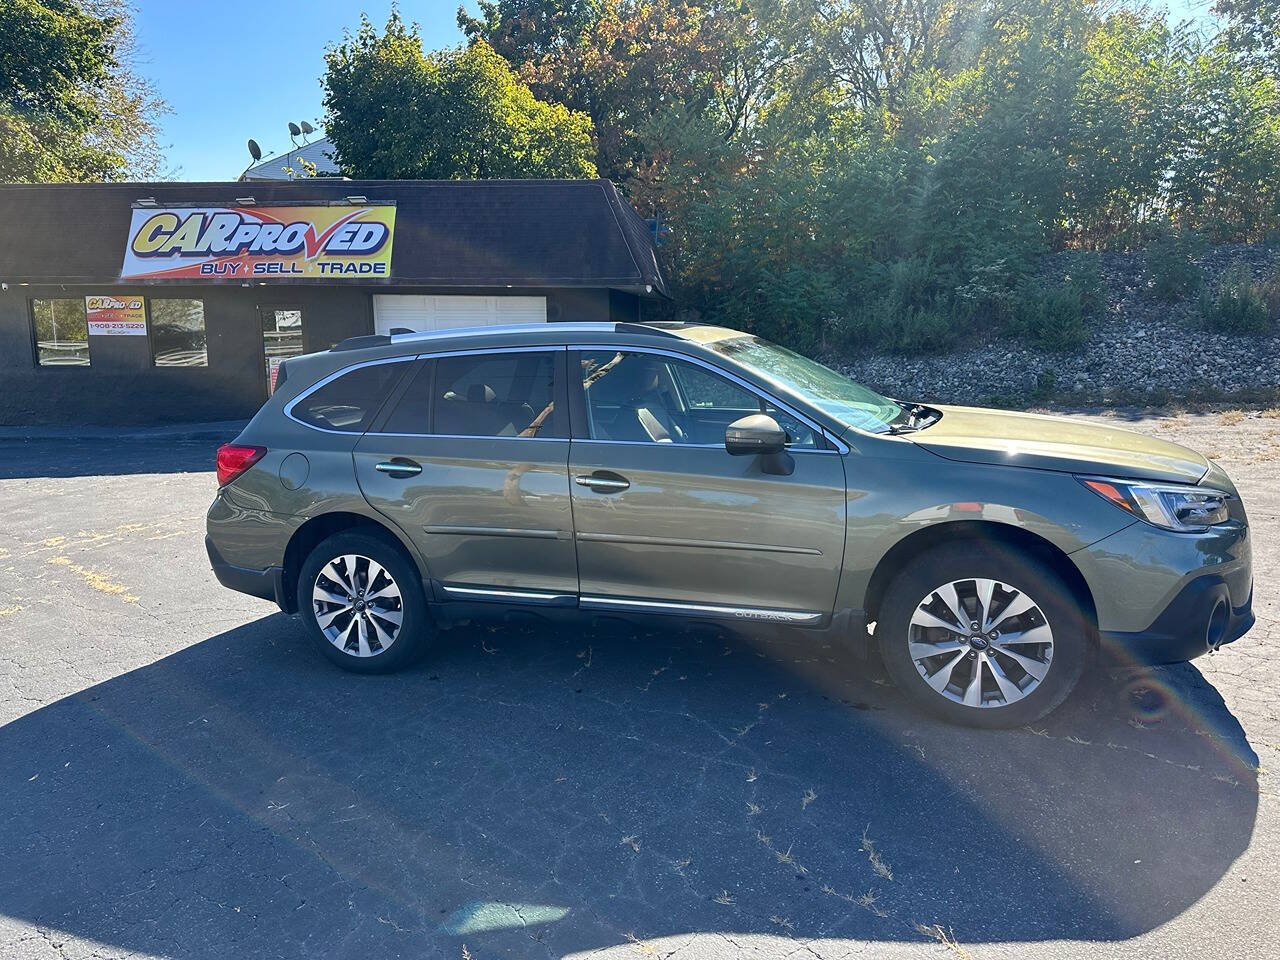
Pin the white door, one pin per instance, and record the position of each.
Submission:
(448, 312)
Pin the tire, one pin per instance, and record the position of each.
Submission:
(1019, 680)
(364, 638)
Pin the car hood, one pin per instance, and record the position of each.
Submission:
(978, 435)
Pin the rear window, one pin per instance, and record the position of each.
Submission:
(483, 395)
(348, 403)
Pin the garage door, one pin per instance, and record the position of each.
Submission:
(447, 312)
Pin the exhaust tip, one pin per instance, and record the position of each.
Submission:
(1216, 627)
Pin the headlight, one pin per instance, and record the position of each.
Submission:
(1186, 509)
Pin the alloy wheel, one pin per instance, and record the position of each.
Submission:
(980, 643)
(357, 605)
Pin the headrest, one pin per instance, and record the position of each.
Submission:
(480, 393)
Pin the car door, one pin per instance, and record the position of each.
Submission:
(470, 460)
(667, 520)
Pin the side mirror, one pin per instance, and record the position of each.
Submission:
(758, 434)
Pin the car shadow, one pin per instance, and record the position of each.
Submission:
(40, 457)
(537, 789)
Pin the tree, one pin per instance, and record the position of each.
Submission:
(394, 112)
(1252, 31)
(636, 66)
(71, 105)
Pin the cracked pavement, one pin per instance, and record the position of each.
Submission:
(180, 776)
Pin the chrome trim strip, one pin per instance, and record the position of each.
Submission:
(481, 351)
(463, 436)
(497, 532)
(708, 544)
(670, 446)
(602, 482)
(498, 330)
(506, 595)
(412, 469)
(840, 445)
(702, 609)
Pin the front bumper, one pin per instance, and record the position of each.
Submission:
(267, 584)
(1164, 597)
(1200, 619)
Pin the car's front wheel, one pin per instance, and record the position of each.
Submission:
(363, 604)
(982, 634)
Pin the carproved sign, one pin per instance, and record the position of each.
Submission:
(340, 241)
(115, 316)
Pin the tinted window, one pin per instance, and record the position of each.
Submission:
(487, 395)
(177, 333)
(641, 397)
(349, 402)
(62, 332)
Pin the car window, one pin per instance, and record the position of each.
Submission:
(642, 397)
(482, 395)
(348, 403)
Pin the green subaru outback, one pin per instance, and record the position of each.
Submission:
(697, 472)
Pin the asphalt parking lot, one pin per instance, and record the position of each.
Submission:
(180, 776)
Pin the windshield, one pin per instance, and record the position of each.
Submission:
(850, 403)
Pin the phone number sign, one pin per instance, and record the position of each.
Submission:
(116, 316)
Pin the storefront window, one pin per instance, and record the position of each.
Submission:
(62, 332)
(177, 333)
(281, 336)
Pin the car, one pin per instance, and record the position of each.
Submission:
(988, 557)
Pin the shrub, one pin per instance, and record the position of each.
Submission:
(904, 310)
(989, 294)
(1084, 275)
(1170, 264)
(1238, 306)
(1053, 318)
(1269, 290)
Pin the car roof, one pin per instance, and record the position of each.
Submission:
(312, 367)
(522, 333)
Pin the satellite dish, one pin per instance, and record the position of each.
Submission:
(294, 130)
(307, 128)
(255, 151)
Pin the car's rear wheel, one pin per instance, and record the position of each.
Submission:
(983, 635)
(363, 603)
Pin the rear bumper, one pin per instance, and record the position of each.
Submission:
(1199, 620)
(267, 584)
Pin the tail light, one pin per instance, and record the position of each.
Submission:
(234, 459)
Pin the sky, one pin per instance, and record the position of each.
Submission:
(236, 69)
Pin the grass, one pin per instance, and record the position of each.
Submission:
(873, 856)
(945, 937)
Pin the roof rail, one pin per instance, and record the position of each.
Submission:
(651, 329)
(401, 334)
(359, 343)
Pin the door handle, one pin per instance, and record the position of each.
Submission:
(603, 482)
(399, 468)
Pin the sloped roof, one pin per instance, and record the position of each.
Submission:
(462, 233)
(318, 152)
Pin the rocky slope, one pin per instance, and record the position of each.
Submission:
(1142, 350)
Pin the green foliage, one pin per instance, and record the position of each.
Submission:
(894, 175)
(1053, 318)
(71, 107)
(1238, 306)
(1171, 265)
(393, 112)
(1269, 290)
